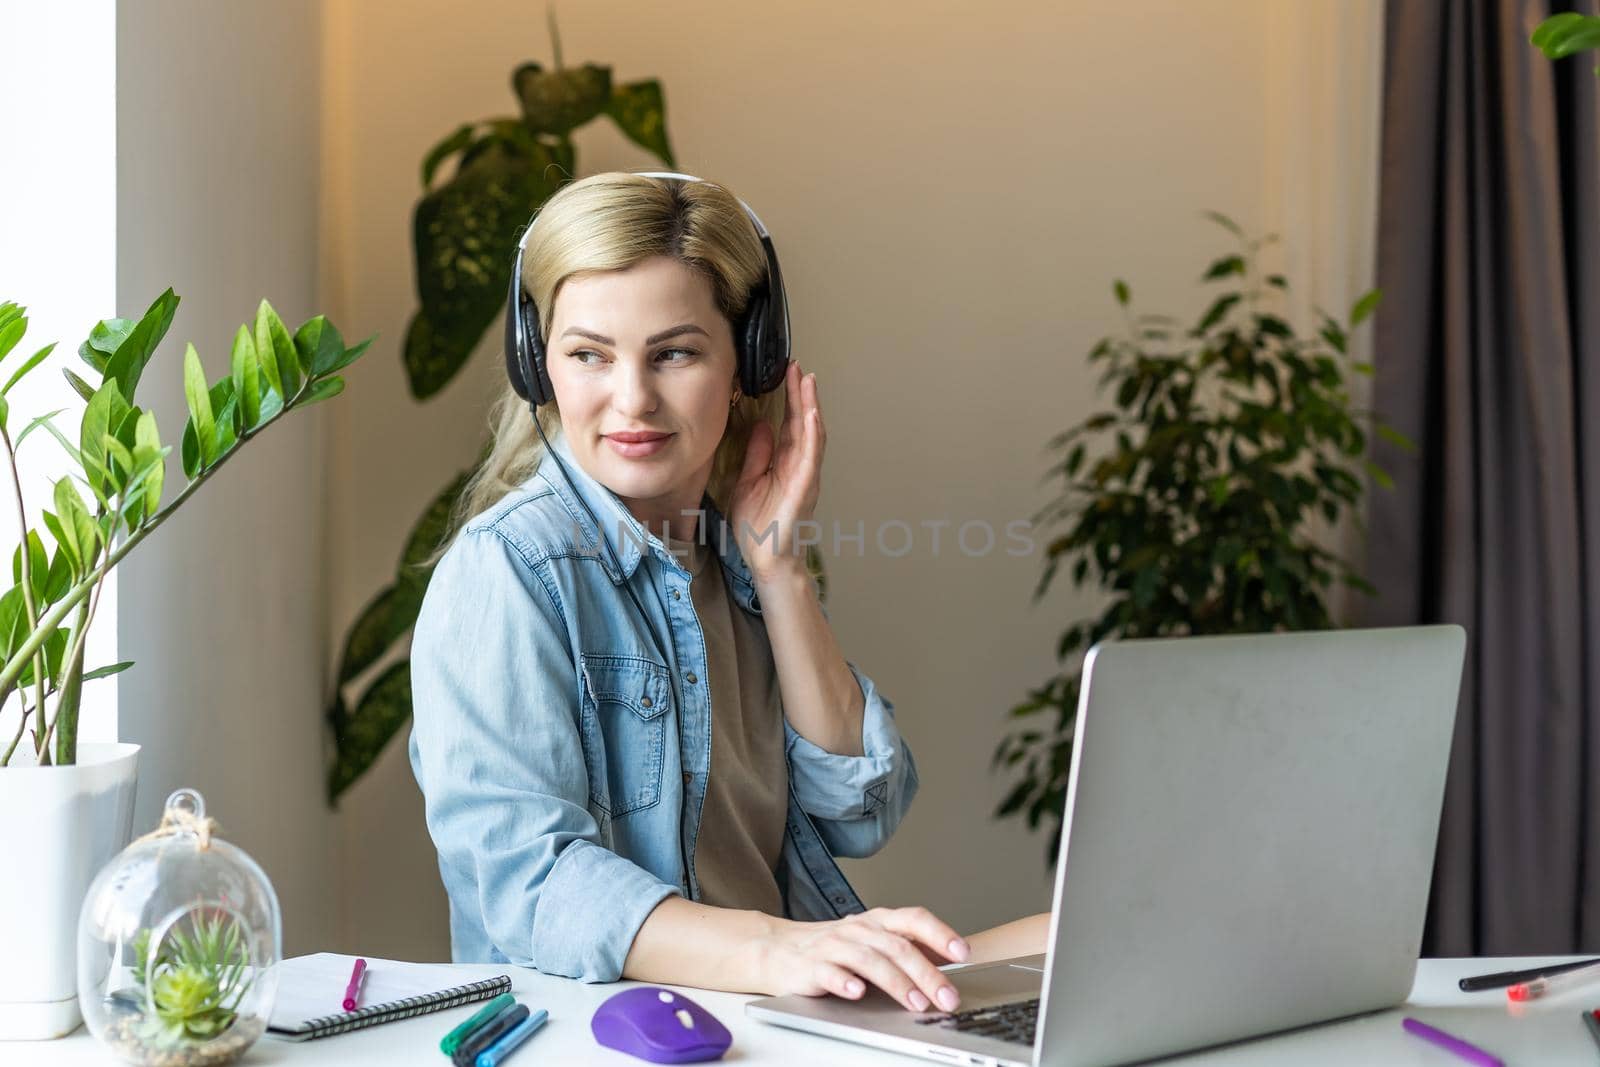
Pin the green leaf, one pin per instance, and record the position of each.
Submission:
(104, 340)
(33, 361)
(349, 356)
(275, 349)
(1225, 222)
(13, 621)
(55, 646)
(1395, 437)
(205, 452)
(1378, 474)
(147, 452)
(319, 346)
(361, 734)
(103, 414)
(1334, 334)
(640, 112)
(559, 101)
(1563, 35)
(465, 235)
(66, 541)
(247, 378)
(199, 400)
(77, 527)
(127, 363)
(34, 426)
(38, 566)
(1215, 313)
(59, 578)
(442, 151)
(322, 390)
(79, 386)
(381, 623)
(10, 334)
(1364, 307)
(106, 672)
(1223, 267)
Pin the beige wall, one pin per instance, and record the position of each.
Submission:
(952, 188)
(218, 128)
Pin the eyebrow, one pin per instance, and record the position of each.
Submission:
(687, 327)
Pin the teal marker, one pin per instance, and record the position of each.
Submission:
(453, 1039)
(496, 1053)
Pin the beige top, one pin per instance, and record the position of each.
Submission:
(747, 792)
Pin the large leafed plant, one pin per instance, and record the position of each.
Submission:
(465, 230)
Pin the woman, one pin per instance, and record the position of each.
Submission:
(639, 757)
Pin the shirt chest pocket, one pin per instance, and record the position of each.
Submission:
(624, 728)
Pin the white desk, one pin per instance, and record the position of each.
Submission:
(1547, 1032)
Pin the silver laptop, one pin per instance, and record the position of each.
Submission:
(1248, 846)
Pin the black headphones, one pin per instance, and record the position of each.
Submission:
(761, 336)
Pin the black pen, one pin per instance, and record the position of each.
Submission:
(1501, 979)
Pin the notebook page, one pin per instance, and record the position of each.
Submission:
(310, 987)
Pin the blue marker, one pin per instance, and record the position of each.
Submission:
(508, 1042)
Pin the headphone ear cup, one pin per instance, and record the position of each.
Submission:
(752, 333)
(539, 378)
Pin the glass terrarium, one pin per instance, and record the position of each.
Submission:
(177, 942)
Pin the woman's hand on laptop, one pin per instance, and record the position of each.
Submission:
(896, 949)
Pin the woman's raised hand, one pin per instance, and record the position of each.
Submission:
(780, 482)
(896, 949)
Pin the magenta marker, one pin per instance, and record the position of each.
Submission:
(352, 992)
(1450, 1043)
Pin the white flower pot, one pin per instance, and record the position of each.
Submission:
(58, 827)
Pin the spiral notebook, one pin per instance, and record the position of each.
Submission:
(309, 986)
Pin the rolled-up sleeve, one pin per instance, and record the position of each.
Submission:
(496, 750)
(856, 801)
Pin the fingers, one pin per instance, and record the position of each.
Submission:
(832, 978)
(930, 985)
(922, 925)
(851, 950)
(791, 403)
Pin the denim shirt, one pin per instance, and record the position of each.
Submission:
(563, 764)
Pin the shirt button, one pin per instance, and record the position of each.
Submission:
(687, 777)
(675, 595)
(691, 678)
(645, 702)
(755, 602)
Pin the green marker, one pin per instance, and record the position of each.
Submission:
(454, 1038)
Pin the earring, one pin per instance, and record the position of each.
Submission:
(737, 396)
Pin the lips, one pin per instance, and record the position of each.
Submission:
(637, 444)
(634, 437)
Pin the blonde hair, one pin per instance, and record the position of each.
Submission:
(612, 221)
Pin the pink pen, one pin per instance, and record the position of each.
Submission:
(352, 992)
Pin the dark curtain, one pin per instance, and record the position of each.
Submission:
(1487, 348)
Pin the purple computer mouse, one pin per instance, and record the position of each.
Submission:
(660, 1026)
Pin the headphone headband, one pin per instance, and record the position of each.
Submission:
(760, 337)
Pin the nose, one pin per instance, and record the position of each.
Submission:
(634, 391)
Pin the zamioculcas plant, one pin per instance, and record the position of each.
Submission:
(1191, 502)
(1566, 34)
(465, 231)
(120, 464)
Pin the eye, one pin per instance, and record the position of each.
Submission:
(687, 353)
(580, 353)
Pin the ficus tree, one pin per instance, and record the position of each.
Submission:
(1191, 502)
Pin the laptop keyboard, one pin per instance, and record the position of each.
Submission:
(1007, 1022)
